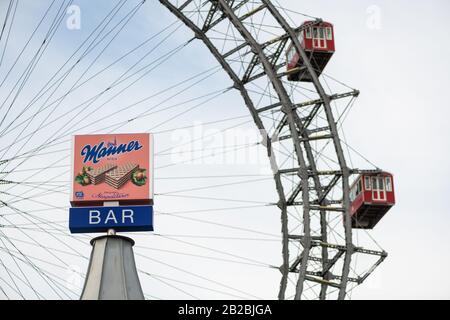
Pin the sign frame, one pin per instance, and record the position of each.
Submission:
(131, 201)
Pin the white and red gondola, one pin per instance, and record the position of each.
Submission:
(317, 39)
(372, 195)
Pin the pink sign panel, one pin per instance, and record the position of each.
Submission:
(112, 167)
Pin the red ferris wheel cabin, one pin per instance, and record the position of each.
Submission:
(318, 41)
(371, 196)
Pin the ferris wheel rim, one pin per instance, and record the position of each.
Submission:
(228, 13)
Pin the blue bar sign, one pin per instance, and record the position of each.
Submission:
(101, 219)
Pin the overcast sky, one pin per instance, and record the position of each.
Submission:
(395, 52)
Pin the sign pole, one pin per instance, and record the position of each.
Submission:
(112, 273)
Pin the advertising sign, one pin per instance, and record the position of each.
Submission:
(101, 219)
(112, 168)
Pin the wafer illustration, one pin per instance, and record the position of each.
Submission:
(98, 175)
(119, 176)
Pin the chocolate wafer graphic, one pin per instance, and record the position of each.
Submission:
(119, 176)
(97, 175)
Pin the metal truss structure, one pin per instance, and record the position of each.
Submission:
(301, 130)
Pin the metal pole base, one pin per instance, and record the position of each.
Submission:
(112, 273)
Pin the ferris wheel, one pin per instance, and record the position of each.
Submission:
(275, 60)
